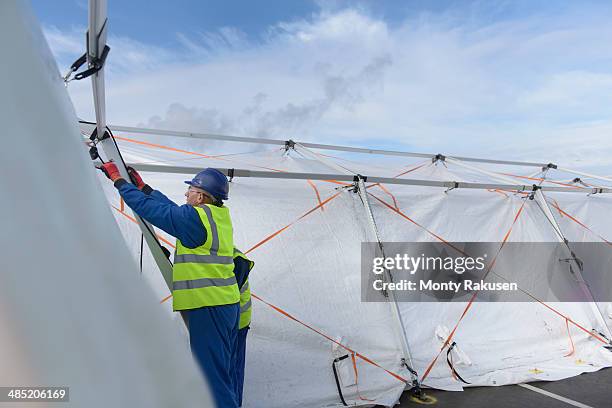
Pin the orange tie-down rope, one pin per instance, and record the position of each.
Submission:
(174, 149)
(542, 179)
(219, 157)
(556, 206)
(354, 361)
(283, 312)
(129, 217)
(569, 334)
(389, 193)
(403, 215)
(350, 350)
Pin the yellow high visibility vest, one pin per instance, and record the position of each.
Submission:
(204, 276)
(245, 294)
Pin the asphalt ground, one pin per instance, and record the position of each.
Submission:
(586, 390)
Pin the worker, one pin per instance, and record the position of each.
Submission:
(204, 287)
(242, 269)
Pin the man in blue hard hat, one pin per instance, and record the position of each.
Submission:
(205, 288)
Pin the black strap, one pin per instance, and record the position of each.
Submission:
(450, 364)
(338, 379)
(141, 250)
(94, 66)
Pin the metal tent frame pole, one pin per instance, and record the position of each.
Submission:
(494, 176)
(278, 142)
(361, 189)
(237, 173)
(96, 44)
(599, 318)
(304, 151)
(582, 173)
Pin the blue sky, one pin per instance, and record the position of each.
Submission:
(523, 79)
(159, 22)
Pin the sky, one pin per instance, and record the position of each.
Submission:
(521, 80)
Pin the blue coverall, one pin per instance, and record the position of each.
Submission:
(212, 329)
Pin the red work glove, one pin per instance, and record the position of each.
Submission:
(111, 171)
(135, 177)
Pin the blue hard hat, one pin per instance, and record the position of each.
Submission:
(213, 182)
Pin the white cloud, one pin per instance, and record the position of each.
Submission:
(128, 55)
(431, 83)
(65, 43)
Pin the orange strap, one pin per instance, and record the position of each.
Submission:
(319, 332)
(498, 191)
(354, 361)
(219, 157)
(413, 169)
(570, 338)
(274, 234)
(386, 191)
(542, 179)
(173, 149)
(555, 205)
(129, 217)
(316, 192)
(567, 318)
(383, 188)
(400, 213)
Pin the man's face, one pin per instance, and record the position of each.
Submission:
(194, 196)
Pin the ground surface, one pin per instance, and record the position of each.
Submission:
(586, 390)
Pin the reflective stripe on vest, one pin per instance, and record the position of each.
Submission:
(245, 295)
(204, 276)
(245, 307)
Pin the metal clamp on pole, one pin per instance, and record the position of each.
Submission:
(289, 144)
(549, 166)
(534, 188)
(95, 64)
(596, 191)
(74, 67)
(454, 186)
(438, 157)
(356, 181)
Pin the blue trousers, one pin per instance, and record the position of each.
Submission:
(239, 360)
(212, 332)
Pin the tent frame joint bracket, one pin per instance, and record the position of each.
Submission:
(438, 157)
(289, 144)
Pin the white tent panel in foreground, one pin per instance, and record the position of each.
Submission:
(74, 311)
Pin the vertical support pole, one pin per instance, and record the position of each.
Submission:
(601, 321)
(361, 188)
(96, 42)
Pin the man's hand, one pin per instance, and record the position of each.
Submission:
(111, 171)
(135, 177)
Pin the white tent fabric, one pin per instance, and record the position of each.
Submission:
(311, 270)
(73, 309)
